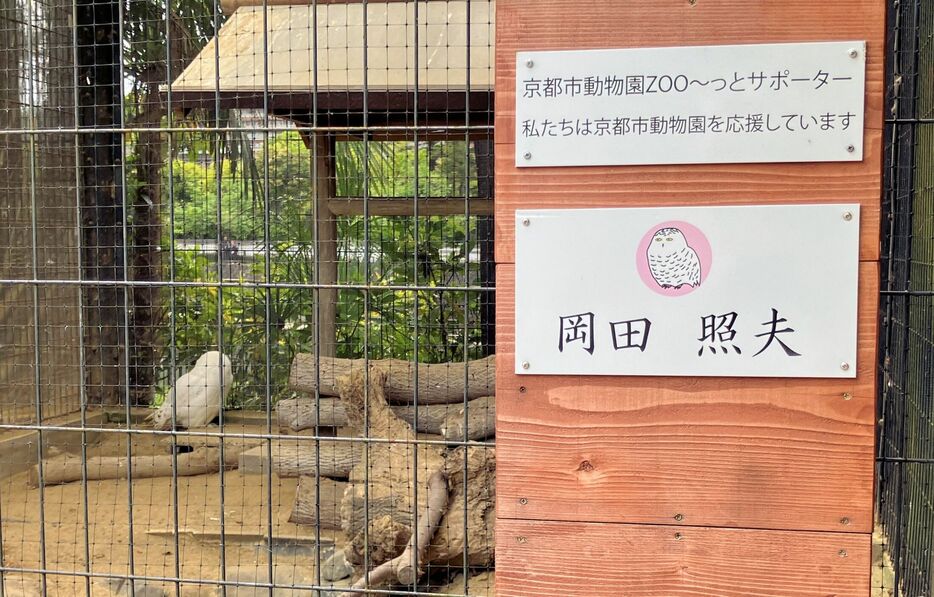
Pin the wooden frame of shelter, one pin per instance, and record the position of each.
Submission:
(316, 64)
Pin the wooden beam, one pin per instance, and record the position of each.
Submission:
(326, 243)
(448, 206)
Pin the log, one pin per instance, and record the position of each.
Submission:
(310, 509)
(480, 421)
(442, 383)
(464, 520)
(388, 478)
(296, 457)
(231, 441)
(65, 469)
(407, 567)
(301, 413)
(471, 509)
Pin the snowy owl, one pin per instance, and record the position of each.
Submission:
(672, 262)
(197, 394)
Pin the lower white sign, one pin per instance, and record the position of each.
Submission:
(750, 291)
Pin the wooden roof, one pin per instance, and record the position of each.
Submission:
(232, 65)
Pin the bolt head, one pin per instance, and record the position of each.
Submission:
(845, 366)
(853, 53)
(679, 517)
(527, 155)
(525, 365)
(847, 216)
(842, 553)
(851, 148)
(523, 501)
(847, 395)
(521, 539)
(522, 389)
(678, 536)
(844, 521)
(529, 63)
(525, 222)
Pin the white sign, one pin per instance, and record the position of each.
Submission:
(752, 291)
(692, 105)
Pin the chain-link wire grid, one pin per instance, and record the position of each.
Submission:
(305, 188)
(905, 496)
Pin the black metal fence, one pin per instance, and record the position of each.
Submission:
(906, 401)
(302, 186)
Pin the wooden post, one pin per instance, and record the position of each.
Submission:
(102, 213)
(700, 486)
(326, 242)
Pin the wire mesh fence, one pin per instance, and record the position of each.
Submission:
(246, 341)
(905, 495)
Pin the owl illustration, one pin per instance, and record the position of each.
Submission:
(672, 262)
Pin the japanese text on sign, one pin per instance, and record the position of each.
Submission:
(718, 291)
(691, 105)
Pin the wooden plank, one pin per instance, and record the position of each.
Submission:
(594, 24)
(746, 452)
(660, 186)
(551, 559)
(406, 207)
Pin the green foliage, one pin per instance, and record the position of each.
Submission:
(264, 328)
(195, 190)
(255, 328)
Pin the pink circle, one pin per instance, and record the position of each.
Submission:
(695, 239)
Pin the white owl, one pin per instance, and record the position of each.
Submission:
(197, 394)
(672, 262)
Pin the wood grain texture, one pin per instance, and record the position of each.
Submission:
(736, 452)
(601, 24)
(552, 559)
(436, 383)
(752, 473)
(298, 457)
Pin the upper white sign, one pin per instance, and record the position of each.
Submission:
(757, 291)
(799, 102)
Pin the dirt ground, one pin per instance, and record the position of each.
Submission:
(198, 555)
(246, 524)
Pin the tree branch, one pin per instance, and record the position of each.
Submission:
(406, 568)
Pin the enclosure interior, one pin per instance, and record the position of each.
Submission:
(302, 188)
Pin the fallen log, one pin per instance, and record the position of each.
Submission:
(297, 457)
(388, 477)
(479, 421)
(471, 514)
(312, 507)
(213, 440)
(65, 469)
(302, 413)
(386, 501)
(441, 383)
(407, 567)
